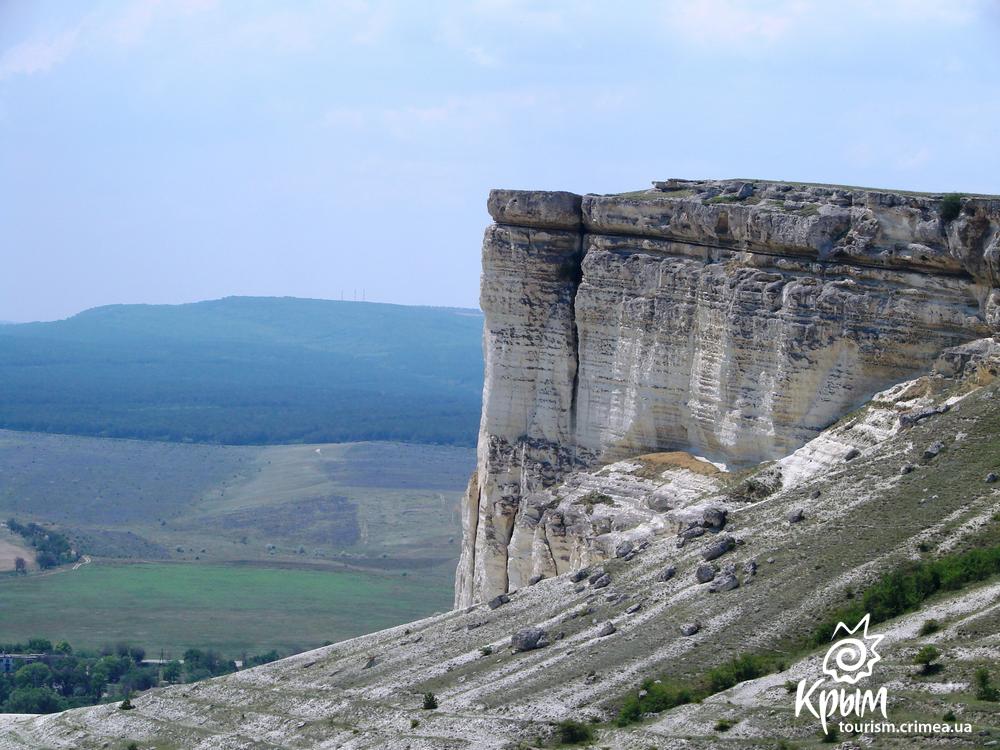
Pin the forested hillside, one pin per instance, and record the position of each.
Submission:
(248, 370)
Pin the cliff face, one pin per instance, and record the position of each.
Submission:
(731, 319)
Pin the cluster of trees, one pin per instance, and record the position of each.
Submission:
(53, 549)
(62, 678)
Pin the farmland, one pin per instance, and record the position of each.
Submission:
(237, 548)
(229, 608)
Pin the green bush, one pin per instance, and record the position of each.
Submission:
(951, 207)
(926, 657)
(949, 715)
(930, 626)
(430, 701)
(655, 697)
(904, 590)
(658, 697)
(742, 668)
(723, 725)
(570, 732)
(984, 686)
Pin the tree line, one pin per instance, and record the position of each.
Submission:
(53, 549)
(61, 678)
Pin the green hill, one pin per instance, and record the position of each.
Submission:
(248, 370)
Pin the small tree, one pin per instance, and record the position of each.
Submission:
(984, 686)
(951, 207)
(430, 701)
(20, 565)
(926, 657)
(571, 732)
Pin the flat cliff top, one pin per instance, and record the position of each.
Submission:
(954, 234)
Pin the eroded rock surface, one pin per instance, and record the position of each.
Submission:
(733, 320)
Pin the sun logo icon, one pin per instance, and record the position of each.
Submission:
(851, 659)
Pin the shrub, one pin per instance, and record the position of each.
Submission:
(831, 736)
(905, 589)
(126, 705)
(949, 715)
(926, 657)
(659, 697)
(984, 686)
(430, 701)
(486, 650)
(930, 626)
(414, 723)
(742, 668)
(723, 725)
(571, 732)
(951, 207)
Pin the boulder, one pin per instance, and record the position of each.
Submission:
(529, 639)
(852, 454)
(595, 575)
(606, 629)
(704, 573)
(991, 478)
(814, 495)
(796, 515)
(906, 468)
(535, 579)
(932, 450)
(601, 582)
(726, 582)
(708, 516)
(718, 548)
(624, 548)
(666, 574)
(632, 609)
(693, 533)
(578, 575)
(690, 628)
(498, 601)
(714, 517)
(750, 568)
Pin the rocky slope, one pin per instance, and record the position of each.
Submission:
(730, 319)
(901, 479)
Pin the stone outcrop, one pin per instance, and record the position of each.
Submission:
(731, 319)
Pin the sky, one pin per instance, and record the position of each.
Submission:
(166, 151)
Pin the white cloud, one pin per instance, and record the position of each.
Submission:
(762, 23)
(37, 55)
(734, 21)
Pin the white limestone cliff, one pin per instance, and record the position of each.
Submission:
(731, 319)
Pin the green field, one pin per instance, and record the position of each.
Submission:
(230, 608)
(237, 548)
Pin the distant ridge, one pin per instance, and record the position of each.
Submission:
(248, 370)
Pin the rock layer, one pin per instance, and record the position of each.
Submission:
(731, 319)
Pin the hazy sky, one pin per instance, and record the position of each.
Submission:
(176, 150)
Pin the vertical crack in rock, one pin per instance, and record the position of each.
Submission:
(731, 319)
